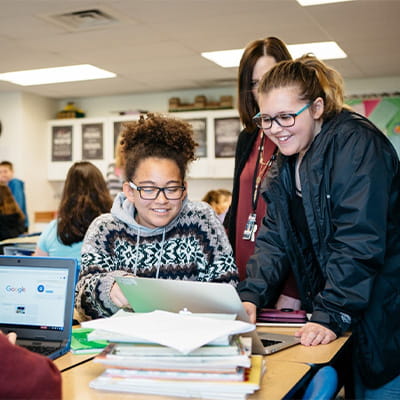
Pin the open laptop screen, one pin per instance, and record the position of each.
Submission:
(37, 296)
(33, 297)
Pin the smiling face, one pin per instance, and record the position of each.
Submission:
(297, 138)
(160, 172)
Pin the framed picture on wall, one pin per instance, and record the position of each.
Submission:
(226, 132)
(199, 126)
(61, 143)
(117, 129)
(92, 141)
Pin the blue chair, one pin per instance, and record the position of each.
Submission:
(323, 385)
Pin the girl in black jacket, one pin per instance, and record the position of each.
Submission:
(333, 218)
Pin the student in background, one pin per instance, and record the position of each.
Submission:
(219, 200)
(12, 220)
(16, 186)
(26, 375)
(254, 151)
(333, 219)
(153, 230)
(115, 171)
(85, 196)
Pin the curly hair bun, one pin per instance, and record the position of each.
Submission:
(155, 135)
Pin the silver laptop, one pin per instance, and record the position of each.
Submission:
(37, 302)
(149, 294)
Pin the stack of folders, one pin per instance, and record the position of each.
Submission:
(208, 372)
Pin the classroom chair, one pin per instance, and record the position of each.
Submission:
(323, 385)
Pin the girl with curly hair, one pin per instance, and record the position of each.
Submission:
(153, 230)
(85, 196)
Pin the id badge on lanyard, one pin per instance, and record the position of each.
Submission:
(250, 230)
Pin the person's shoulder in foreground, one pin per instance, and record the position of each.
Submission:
(26, 375)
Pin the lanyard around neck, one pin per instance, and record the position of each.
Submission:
(259, 172)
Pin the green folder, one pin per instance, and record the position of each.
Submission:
(81, 345)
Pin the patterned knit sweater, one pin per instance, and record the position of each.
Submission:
(193, 246)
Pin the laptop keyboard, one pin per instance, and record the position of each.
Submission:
(44, 350)
(267, 342)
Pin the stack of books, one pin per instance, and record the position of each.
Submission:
(176, 354)
(209, 372)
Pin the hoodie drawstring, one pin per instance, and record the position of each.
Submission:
(160, 254)
(137, 252)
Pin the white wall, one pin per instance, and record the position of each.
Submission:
(24, 143)
(389, 84)
(11, 118)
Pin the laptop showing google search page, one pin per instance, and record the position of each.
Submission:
(37, 301)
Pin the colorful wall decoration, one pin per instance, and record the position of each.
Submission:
(384, 112)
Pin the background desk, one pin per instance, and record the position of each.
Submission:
(279, 379)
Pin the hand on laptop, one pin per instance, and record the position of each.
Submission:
(12, 337)
(312, 334)
(251, 310)
(118, 297)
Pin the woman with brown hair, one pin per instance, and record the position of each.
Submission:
(254, 150)
(85, 196)
(12, 220)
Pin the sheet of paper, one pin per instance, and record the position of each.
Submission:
(183, 332)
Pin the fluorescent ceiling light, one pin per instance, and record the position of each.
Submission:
(306, 3)
(322, 50)
(224, 58)
(45, 76)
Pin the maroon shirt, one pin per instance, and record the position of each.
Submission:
(245, 248)
(26, 375)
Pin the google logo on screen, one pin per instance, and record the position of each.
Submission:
(14, 289)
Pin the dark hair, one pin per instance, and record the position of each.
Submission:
(7, 164)
(313, 78)
(85, 196)
(8, 205)
(160, 137)
(247, 104)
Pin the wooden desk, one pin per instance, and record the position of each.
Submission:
(285, 369)
(70, 360)
(320, 354)
(279, 379)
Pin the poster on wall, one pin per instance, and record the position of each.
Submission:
(92, 141)
(199, 126)
(226, 134)
(118, 125)
(384, 112)
(61, 143)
